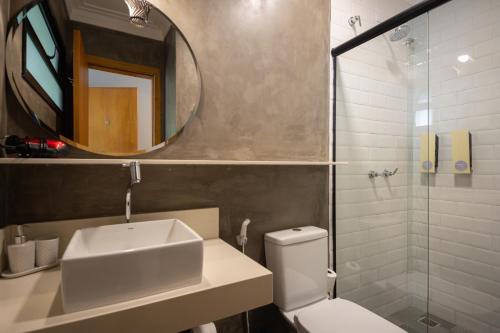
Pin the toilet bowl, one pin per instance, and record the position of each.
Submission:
(298, 259)
(341, 316)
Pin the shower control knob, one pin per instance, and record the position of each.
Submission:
(388, 173)
(353, 19)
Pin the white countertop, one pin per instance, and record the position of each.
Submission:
(232, 283)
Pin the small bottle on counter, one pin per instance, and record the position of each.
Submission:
(21, 254)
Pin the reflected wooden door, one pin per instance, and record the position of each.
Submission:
(113, 120)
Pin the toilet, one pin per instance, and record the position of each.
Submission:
(298, 259)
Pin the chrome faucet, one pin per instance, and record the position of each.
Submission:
(135, 178)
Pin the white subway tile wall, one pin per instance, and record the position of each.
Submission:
(383, 227)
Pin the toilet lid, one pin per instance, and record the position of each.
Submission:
(342, 316)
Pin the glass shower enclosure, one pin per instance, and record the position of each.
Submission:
(417, 210)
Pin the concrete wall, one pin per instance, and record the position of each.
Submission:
(272, 197)
(259, 66)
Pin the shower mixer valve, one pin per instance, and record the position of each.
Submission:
(386, 173)
(353, 19)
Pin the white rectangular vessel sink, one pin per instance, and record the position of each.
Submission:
(115, 263)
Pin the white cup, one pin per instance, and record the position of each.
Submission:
(47, 251)
(21, 257)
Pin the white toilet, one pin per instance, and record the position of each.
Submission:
(298, 259)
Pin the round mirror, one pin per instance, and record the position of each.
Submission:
(113, 77)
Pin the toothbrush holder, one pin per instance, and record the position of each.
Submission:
(47, 250)
(21, 256)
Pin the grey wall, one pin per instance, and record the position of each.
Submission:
(265, 78)
(265, 96)
(273, 197)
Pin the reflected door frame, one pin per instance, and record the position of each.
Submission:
(145, 72)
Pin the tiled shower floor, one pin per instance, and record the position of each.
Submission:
(408, 319)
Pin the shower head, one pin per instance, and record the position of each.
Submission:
(399, 33)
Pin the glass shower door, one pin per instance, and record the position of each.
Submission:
(421, 246)
(464, 274)
(382, 197)
(423, 164)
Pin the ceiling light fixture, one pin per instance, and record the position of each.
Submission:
(138, 12)
(463, 58)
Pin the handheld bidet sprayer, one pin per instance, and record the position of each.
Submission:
(242, 238)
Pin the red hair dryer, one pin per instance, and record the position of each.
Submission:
(34, 147)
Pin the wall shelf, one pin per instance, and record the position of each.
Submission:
(74, 161)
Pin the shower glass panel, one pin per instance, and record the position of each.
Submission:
(464, 85)
(421, 246)
(382, 220)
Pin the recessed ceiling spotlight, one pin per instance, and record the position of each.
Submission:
(464, 58)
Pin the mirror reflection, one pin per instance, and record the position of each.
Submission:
(112, 77)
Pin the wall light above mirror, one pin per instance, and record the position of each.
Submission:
(91, 78)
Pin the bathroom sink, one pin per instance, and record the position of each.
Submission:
(115, 263)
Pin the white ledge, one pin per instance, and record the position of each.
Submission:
(93, 161)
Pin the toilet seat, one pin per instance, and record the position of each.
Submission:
(290, 315)
(341, 316)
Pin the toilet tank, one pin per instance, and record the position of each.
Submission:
(298, 258)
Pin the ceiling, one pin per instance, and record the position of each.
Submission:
(113, 14)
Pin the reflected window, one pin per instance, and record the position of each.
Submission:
(41, 56)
